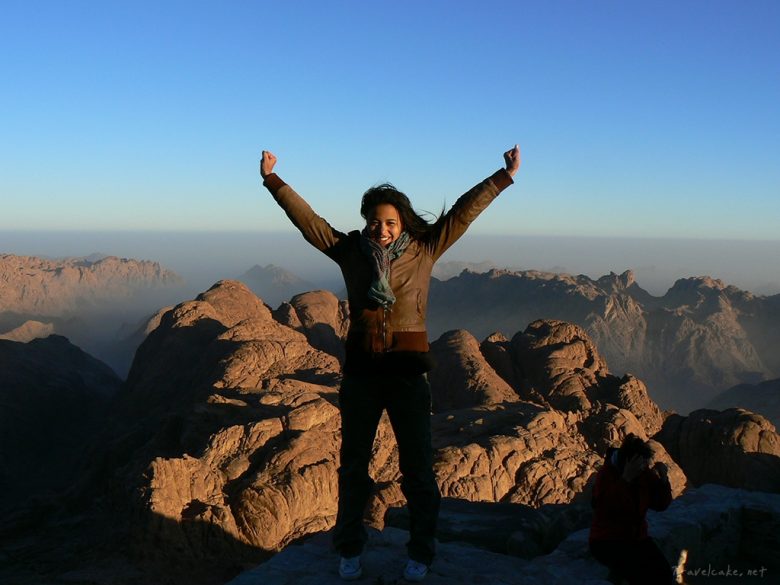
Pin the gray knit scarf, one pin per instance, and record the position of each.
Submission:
(381, 258)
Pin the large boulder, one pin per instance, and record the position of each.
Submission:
(560, 361)
(462, 378)
(240, 433)
(516, 452)
(321, 317)
(733, 447)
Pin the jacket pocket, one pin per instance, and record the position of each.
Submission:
(408, 308)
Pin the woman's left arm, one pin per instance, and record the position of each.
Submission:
(467, 208)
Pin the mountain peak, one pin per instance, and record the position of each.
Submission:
(617, 282)
(274, 284)
(697, 283)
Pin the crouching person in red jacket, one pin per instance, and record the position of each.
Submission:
(626, 487)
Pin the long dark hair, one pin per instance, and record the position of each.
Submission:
(412, 222)
(632, 445)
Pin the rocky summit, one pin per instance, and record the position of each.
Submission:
(220, 451)
(712, 534)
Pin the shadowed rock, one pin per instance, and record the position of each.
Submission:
(462, 377)
(717, 526)
(733, 447)
(53, 398)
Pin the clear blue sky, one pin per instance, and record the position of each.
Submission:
(635, 118)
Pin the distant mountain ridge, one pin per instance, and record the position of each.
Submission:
(274, 284)
(763, 398)
(39, 286)
(449, 269)
(85, 299)
(700, 338)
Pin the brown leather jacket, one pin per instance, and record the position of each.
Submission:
(400, 329)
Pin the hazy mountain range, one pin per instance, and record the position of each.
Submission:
(274, 284)
(699, 339)
(66, 287)
(690, 344)
(86, 299)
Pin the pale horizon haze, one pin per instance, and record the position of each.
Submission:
(637, 121)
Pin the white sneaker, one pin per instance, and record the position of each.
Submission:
(415, 572)
(350, 569)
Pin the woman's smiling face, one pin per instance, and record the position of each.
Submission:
(384, 224)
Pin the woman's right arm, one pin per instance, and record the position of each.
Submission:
(315, 230)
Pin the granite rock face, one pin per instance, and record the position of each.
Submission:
(321, 317)
(240, 427)
(534, 429)
(462, 378)
(224, 440)
(243, 431)
(238, 430)
(515, 452)
(560, 362)
(733, 447)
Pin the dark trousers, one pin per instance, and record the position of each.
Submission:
(640, 562)
(407, 400)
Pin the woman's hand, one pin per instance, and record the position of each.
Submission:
(512, 159)
(661, 469)
(634, 467)
(267, 163)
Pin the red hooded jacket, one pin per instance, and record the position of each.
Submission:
(619, 508)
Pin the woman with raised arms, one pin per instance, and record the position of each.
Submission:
(387, 269)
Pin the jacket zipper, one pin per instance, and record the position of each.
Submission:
(384, 329)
